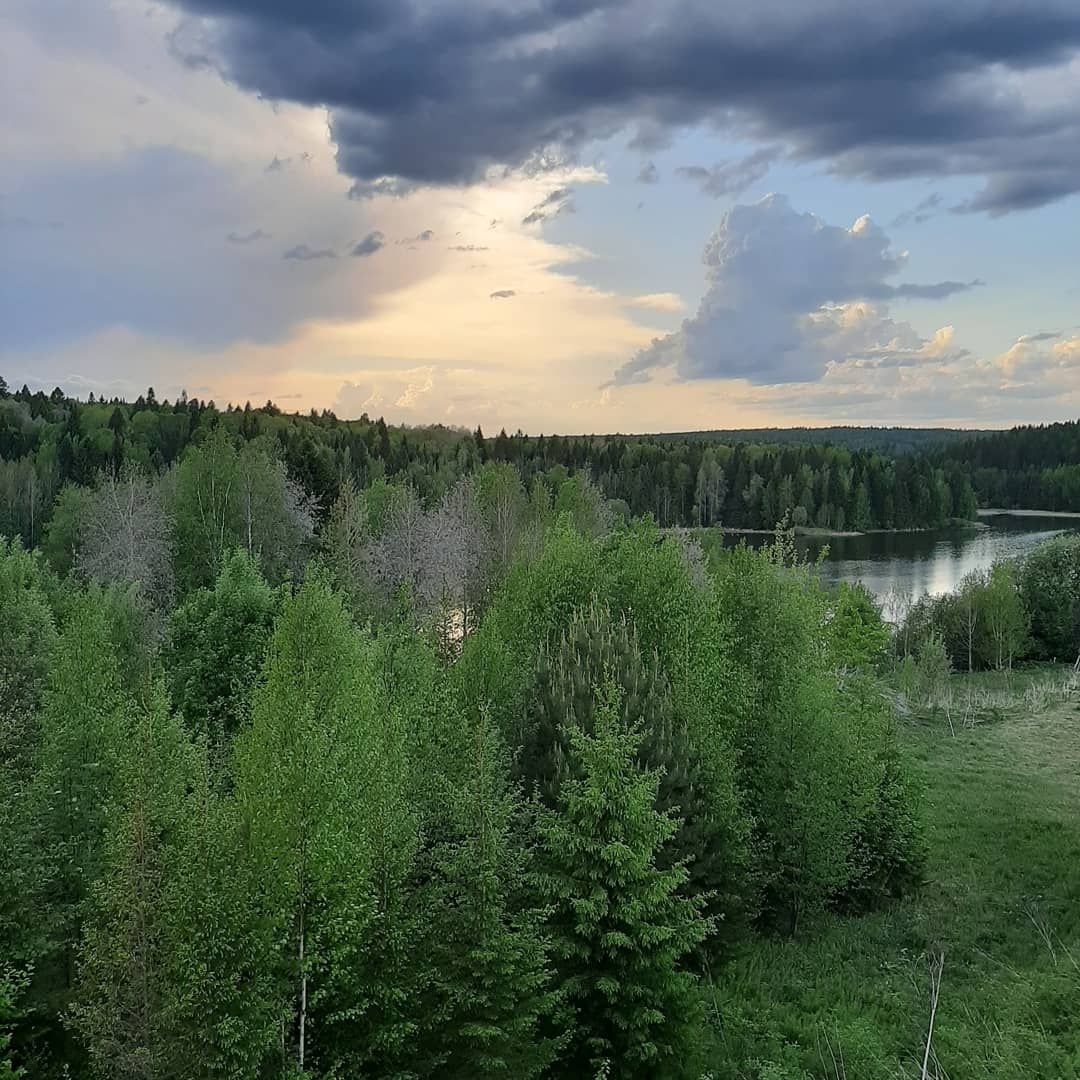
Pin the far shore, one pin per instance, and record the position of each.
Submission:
(994, 511)
(812, 532)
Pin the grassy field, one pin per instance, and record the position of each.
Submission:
(1000, 911)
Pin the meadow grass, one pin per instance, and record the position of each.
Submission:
(851, 997)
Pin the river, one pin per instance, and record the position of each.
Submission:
(927, 562)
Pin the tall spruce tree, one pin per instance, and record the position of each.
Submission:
(620, 928)
(492, 995)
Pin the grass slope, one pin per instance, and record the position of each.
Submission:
(851, 998)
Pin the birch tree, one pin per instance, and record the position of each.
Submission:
(126, 536)
(450, 582)
(299, 777)
(76, 765)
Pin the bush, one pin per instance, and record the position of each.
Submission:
(1049, 587)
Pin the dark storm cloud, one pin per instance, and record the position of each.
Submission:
(937, 291)
(649, 174)
(556, 202)
(437, 93)
(731, 177)
(303, 253)
(247, 238)
(925, 210)
(371, 243)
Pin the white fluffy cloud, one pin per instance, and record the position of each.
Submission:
(786, 294)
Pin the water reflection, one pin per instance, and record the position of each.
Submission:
(927, 562)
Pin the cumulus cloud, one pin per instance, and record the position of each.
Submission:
(423, 93)
(371, 243)
(304, 253)
(731, 177)
(665, 301)
(1028, 381)
(503, 294)
(420, 383)
(786, 294)
(247, 238)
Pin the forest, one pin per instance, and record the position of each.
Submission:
(50, 442)
(487, 786)
(339, 750)
(1034, 467)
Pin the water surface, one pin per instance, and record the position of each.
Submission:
(926, 562)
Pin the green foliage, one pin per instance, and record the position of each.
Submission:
(27, 639)
(226, 1012)
(215, 649)
(887, 852)
(299, 778)
(124, 1009)
(593, 648)
(316, 860)
(620, 928)
(11, 985)
(226, 498)
(491, 999)
(81, 747)
(983, 624)
(932, 667)
(1049, 587)
(794, 749)
(857, 637)
(63, 534)
(1003, 869)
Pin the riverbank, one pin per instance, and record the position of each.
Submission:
(813, 533)
(994, 511)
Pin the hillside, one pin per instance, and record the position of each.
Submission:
(1001, 904)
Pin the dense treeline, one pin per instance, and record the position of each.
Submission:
(487, 784)
(52, 442)
(1034, 467)
(890, 441)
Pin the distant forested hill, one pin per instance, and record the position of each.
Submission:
(1035, 467)
(829, 478)
(52, 442)
(886, 440)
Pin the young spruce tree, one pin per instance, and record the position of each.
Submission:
(619, 925)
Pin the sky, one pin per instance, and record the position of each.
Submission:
(553, 215)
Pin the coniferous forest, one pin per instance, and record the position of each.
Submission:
(49, 443)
